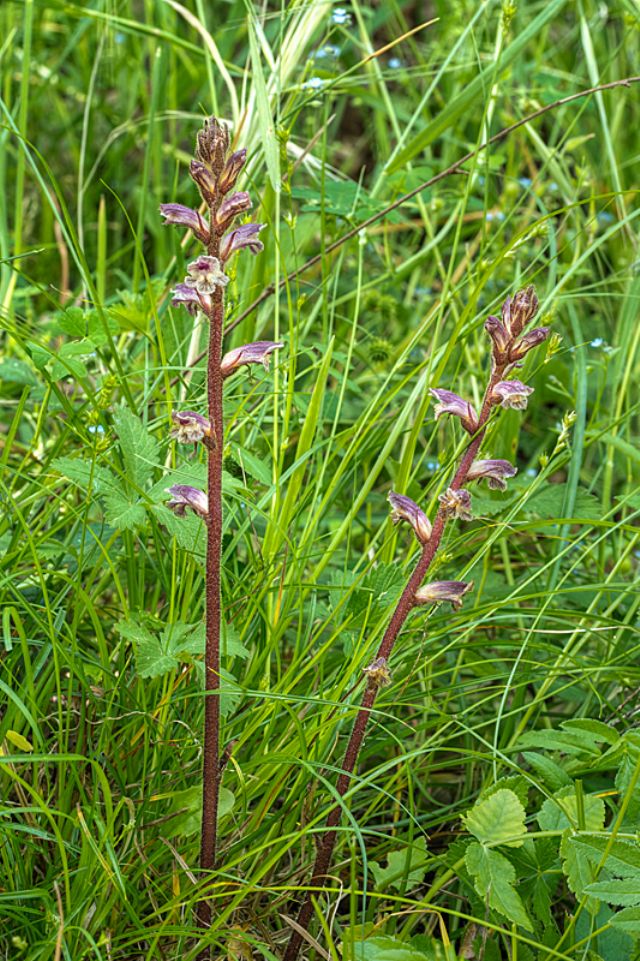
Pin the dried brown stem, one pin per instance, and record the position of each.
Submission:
(404, 607)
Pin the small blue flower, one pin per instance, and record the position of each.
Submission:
(329, 50)
(598, 342)
(432, 465)
(341, 16)
(495, 215)
(531, 472)
(604, 217)
(395, 63)
(315, 83)
(525, 181)
(95, 429)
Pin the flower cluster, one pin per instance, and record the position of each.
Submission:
(215, 171)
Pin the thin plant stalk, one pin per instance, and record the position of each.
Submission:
(506, 354)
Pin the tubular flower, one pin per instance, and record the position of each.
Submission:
(495, 472)
(378, 673)
(440, 591)
(519, 310)
(205, 180)
(456, 504)
(528, 342)
(500, 337)
(184, 497)
(230, 207)
(511, 393)
(244, 236)
(404, 509)
(205, 274)
(450, 403)
(186, 217)
(189, 427)
(187, 297)
(231, 170)
(256, 353)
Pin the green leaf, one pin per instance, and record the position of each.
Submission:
(561, 811)
(627, 921)
(16, 371)
(140, 450)
(123, 511)
(86, 475)
(616, 891)
(253, 465)
(405, 868)
(186, 808)
(623, 857)
(579, 869)
(549, 502)
(494, 877)
(151, 659)
(189, 531)
(553, 775)
(381, 948)
(497, 819)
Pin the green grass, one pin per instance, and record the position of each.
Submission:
(100, 103)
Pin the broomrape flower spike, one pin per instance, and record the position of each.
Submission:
(215, 174)
(404, 509)
(455, 503)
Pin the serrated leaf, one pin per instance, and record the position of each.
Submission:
(140, 450)
(189, 531)
(254, 466)
(494, 877)
(627, 921)
(101, 326)
(86, 474)
(405, 868)
(552, 774)
(548, 503)
(124, 512)
(71, 321)
(578, 869)
(382, 948)
(151, 659)
(623, 857)
(600, 730)
(561, 811)
(497, 819)
(620, 892)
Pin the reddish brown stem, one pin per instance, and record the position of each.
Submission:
(403, 609)
(211, 772)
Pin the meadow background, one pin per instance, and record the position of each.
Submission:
(518, 711)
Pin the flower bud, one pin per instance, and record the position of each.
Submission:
(450, 403)
(231, 170)
(184, 497)
(404, 509)
(229, 208)
(495, 472)
(440, 591)
(456, 504)
(205, 180)
(186, 217)
(256, 353)
(519, 310)
(511, 394)
(528, 342)
(189, 427)
(212, 145)
(377, 672)
(500, 338)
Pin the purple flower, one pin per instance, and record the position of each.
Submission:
(189, 427)
(495, 472)
(232, 168)
(186, 217)
(230, 207)
(528, 342)
(440, 591)
(205, 274)
(500, 337)
(256, 353)
(244, 236)
(183, 497)
(378, 673)
(519, 310)
(404, 509)
(456, 504)
(450, 403)
(511, 393)
(188, 297)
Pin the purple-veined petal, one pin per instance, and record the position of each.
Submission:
(184, 497)
(232, 168)
(186, 296)
(189, 427)
(500, 337)
(205, 274)
(456, 504)
(511, 393)
(495, 472)
(450, 403)
(533, 339)
(440, 591)
(230, 207)
(245, 236)
(255, 353)
(404, 509)
(205, 180)
(186, 217)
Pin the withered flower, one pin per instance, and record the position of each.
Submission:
(378, 673)
(511, 393)
(189, 427)
(440, 591)
(456, 504)
(495, 472)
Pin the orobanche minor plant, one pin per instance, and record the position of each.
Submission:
(215, 172)
(510, 344)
